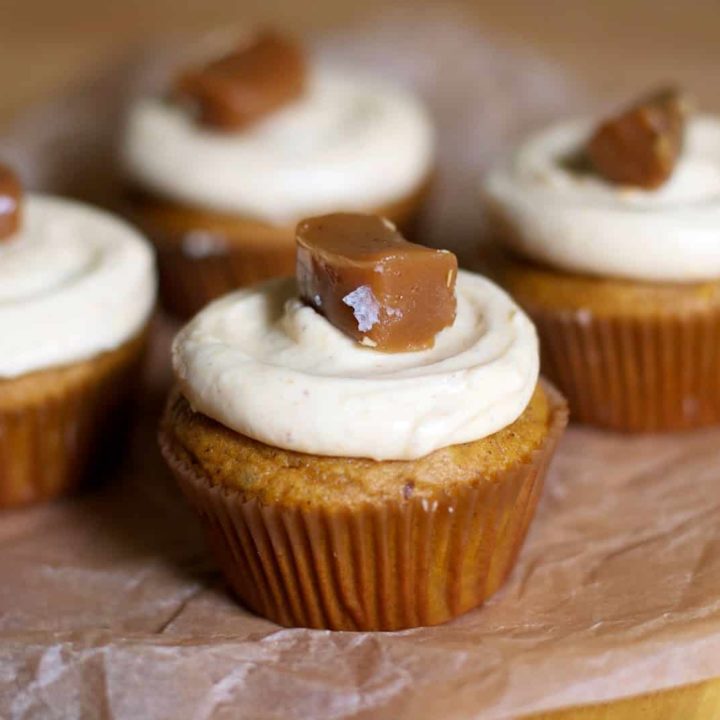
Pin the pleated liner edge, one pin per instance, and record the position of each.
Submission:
(634, 374)
(48, 443)
(389, 566)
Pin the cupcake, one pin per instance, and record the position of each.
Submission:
(365, 443)
(609, 237)
(249, 142)
(77, 287)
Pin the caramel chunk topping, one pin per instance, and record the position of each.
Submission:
(10, 196)
(242, 87)
(368, 281)
(641, 145)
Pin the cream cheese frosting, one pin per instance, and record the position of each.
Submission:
(74, 282)
(264, 364)
(350, 143)
(581, 223)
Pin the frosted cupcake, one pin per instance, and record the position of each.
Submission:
(254, 140)
(77, 287)
(613, 232)
(365, 445)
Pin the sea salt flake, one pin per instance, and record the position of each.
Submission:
(366, 308)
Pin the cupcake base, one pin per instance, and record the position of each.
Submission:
(418, 557)
(54, 422)
(203, 255)
(629, 356)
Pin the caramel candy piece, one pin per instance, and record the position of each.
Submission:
(641, 146)
(10, 196)
(242, 87)
(371, 283)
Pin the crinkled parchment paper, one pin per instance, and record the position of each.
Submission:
(110, 606)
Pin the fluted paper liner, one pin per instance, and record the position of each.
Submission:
(188, 283)
(640, 374)
(53, 426)
(388, 566)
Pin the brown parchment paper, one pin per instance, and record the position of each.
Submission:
(110, 606)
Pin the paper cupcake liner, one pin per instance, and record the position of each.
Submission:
(634, 375)
(189, 283)
(52, 426)
(376, 567)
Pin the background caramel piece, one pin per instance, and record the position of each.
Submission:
(242, 87)
(371, 283)
(641, 146)
(10, 196)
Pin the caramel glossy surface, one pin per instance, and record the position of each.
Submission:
(367, 280)
(242, 87)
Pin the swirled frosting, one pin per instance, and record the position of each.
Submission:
(576, 221)
(349, 143)
(262, 363)
(74, 282)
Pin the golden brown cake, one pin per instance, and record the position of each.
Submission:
(349, 487)
(622, 281)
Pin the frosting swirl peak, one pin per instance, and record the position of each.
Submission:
(578, 222)
(264, 364)
(347, 143)
(74, 282)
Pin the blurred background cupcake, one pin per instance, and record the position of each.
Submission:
(612, 233)
(250, 137)
(77, 288)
